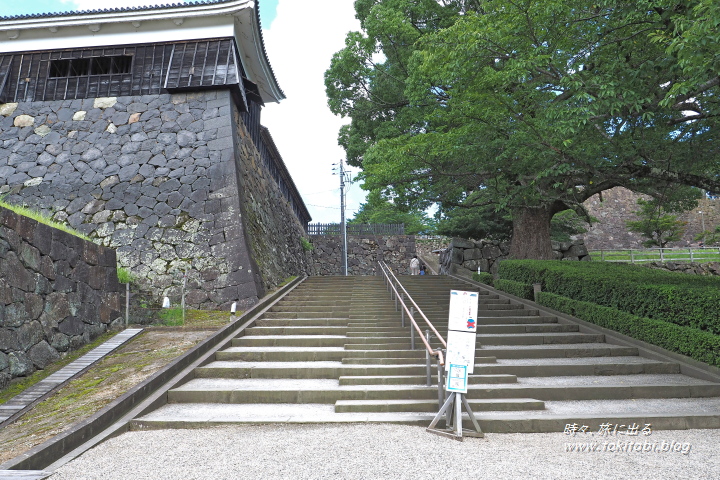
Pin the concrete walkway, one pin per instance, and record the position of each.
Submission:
(389, 452)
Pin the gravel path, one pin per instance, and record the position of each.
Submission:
(383, 451)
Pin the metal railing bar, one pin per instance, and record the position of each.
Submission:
(436, 353)
(427, 321)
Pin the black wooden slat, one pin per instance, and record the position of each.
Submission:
(17, 85)
(169, 67)
(205, 57)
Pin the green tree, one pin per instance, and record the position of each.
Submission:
(656, 224)
(484, 222)
(526, 107)
(378, 209)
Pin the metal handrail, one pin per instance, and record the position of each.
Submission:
(436, 353)
(432, 327)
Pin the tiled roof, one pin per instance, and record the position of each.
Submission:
(111, 10)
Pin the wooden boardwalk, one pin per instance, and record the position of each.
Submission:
(24, 474)
(16, 406)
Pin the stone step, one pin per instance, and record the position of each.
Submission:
(302, 322)
(328, 391)
(402, 361)
(281, 354)
(326, 310)
(493, 405)
(296, 330)
(419, 379)
(516, 320)
(336, 369)
(502, 307)
(510, 312)
(556, 350)
(661, 414)
(540, 338)
(290, 341)
(305, 315)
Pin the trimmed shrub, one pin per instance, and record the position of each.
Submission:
(519, 289)
(483, 277)
(678, 298)
(694, 343)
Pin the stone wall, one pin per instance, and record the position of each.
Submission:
(270, 225)
(363, 254)
(464, 257)
(616, 206)
(57, 293)
(692, 268)
(170, 181)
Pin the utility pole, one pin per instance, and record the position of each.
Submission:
(343, 226)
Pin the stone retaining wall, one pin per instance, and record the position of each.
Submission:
(464, 257)
(363, 254)
(57, 293)
(172, 181)
(692, 268)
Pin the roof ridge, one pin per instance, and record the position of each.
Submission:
(110, 10)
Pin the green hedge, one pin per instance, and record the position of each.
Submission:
(483, 277)
(687, 300)
(694, 343)
(519, 289)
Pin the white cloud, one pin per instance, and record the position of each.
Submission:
(300, 43)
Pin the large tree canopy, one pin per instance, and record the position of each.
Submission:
(531, 107)
(378, 209)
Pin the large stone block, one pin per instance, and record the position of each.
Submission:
(15, 273)
(8, 340)
(20, 364)
(72, 326)
(457, 255)
(29, 334)
(60, 342)
(15, 315)
(472, 254)
(42, 355)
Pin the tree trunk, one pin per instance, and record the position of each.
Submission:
(531, 234)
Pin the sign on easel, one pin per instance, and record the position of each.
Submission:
(457, 379)
(463, 311)
(459, 363)
(460, 350)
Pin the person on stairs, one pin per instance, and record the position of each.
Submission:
(415, 266)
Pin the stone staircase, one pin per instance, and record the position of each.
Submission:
(333, 350)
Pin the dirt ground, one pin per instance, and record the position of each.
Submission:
(101, 384)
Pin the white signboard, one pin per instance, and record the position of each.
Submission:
(460, 349)
(463, 311)
(457, 379)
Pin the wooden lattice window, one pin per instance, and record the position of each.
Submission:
(80, 67)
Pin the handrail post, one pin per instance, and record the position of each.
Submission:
(402, 314)
(412, 330)
(441, 383)
(427, 359)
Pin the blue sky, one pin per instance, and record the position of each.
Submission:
(268, 8)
